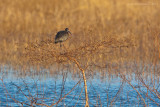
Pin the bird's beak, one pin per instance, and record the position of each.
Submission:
(70, 32)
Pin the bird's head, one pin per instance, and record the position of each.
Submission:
(67, 30)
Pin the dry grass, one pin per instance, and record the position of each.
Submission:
(23, 22)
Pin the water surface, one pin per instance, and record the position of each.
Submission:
(107, 90)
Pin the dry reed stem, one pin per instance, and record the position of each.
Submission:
(65, 95)
(124, 78)
(84, 79)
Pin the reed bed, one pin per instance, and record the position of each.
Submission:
(31, 22)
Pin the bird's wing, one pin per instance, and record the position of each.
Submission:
(60, 34)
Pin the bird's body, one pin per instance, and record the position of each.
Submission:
(62, 36)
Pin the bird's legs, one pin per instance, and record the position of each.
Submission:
(60, 44)
(62, 47)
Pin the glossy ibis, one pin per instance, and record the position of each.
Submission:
(62, 36)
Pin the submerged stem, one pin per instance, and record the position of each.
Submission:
(84, 79)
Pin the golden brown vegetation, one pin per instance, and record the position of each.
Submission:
(24, 22)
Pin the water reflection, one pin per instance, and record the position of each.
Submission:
(65, 88)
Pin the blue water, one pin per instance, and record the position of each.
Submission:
(47, 88)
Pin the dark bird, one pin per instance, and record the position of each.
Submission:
(62, 36)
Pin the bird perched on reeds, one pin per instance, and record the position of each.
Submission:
(62, 36)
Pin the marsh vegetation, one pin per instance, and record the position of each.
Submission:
(112, 58)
